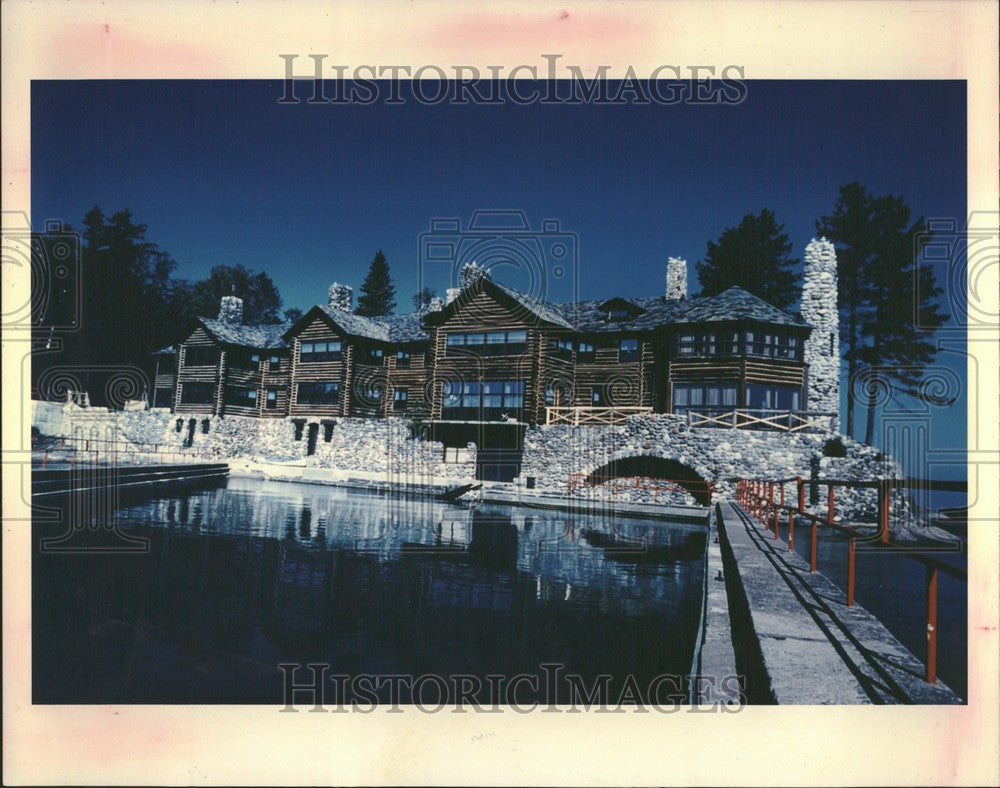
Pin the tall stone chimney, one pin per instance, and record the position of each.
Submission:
(677, 279)
(451, 294)
(231, 310)
(341, 297)
(471, 273)
(819, 310)
(435, 305)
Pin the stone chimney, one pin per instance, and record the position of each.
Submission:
(471, 273)
(435, 305)
(341, 298)
(451, 294)
(677, 279)
(819, 310)
(231, 310)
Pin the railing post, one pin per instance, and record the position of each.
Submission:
(770, 506)
(829, 503)
(791, 530)
(800, 483)
(932, 582)
(850, 572)
(883, 510)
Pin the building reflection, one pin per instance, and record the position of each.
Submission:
(258, 573)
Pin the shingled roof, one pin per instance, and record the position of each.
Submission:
(261, 337)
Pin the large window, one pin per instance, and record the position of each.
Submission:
(402, 359)
(490, 400)
(201, 356)
(628, 350)
(584, 353)
(490, 343)
(771, 397)
(400, 399)
(319, 351)
(241, 396)
(197, 393)
(274, 363)
(318, 394)
(772, 345)
(708, 396)
(763, 342)
(271, 399)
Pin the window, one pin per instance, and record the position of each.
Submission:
(560, 348)
(274, 363)
(628, 350)
(584, 353)
(704, 396)
(241, 396)
(597, 397)
(243, 359)
(556, 394)
(773, 397)
(318, 394)
(490, 400)
(198, 393)
(400, 399)
(617, 314)
(375, 355)
(201, 356)
(271, 399)
(491, 343)
(319, 351)
(402, 359)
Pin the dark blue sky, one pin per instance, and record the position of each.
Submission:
(223, 173)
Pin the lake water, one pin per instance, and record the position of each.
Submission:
(235, 580)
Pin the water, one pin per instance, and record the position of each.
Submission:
(241, 578)
(892, 588)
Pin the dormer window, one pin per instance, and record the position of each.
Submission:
(616, 309)
(617, 314)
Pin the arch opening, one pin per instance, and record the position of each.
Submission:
(649, 467)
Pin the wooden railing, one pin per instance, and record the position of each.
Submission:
(759, 419)
(558, 414)
(764, 500)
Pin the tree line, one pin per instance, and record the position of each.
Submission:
(886, 297)
(126, 302)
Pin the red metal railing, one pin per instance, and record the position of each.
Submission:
(127, 453)
(617, 484)
(756, 496)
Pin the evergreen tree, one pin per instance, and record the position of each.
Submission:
(293, 314)
(422, 299)
(377, 291)
(755, 255)
(887, 296)
(261, 299)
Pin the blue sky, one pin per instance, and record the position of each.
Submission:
(223, 173)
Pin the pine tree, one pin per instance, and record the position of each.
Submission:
(887, 295)
(755, 255)
(422, 299)
(377, 291)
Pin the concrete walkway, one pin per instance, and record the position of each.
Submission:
(796, 640)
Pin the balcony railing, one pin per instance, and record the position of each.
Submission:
(761, 419)
(556, 414)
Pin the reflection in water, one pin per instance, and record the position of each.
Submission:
(242, 578)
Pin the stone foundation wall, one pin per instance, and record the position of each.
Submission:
(370, 445)
(721, 456)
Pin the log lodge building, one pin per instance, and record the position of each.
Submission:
(493, 355)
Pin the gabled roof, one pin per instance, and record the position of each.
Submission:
(261, 337)
(385, 328)
(542, 310)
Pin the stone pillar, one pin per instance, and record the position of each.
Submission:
(341, 297)
(231, 310)
(451, 294)
(677, 279)
(819, 310)
(471, 273)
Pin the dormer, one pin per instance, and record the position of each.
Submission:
(618, 309)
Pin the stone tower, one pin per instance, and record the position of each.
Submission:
(819, 310)
(677, 279)
(341, 297)
(231, 310)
